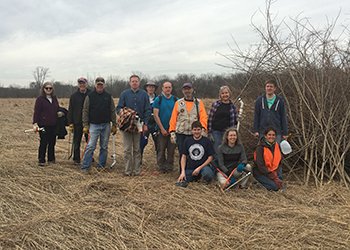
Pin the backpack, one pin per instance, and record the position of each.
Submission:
(160, 99)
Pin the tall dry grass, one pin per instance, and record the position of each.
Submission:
(56, 207)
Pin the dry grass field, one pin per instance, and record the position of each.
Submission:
(57, 207)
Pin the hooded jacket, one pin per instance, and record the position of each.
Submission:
(262, 159)
(275, 116)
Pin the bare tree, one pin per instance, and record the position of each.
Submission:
(40, 74)
(311, 67)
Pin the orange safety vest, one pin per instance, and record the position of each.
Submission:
(272, 161)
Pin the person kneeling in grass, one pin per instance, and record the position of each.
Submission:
(267, 161)
(196, 153)
(232, 158)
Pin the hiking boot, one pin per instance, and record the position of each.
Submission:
(207, 179)
(100, 169)
(182, 184)
(86, 172)
(41, 164)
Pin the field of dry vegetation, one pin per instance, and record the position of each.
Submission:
(57, 207)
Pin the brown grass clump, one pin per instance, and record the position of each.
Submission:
(56, 207)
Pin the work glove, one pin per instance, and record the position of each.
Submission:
(232, 180)
(273, 176)
(60, 114)
(173, 137)
(203, 130)
(240, 167)
(211, 138)
(35, 127)
(239, 118)
(114, 130)
(86, 129)
(71, 127)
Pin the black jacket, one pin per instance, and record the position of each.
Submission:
(76, 102)
(60, 129)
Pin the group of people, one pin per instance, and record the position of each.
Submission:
(172, 123)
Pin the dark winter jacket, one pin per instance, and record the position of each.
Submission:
(62, 122)
(259, 162)
(75, 109)
(99, 108)
(275, 116)
(45, 112)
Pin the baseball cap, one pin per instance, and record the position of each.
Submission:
(187, 85)
(100, 79)
(82, 79)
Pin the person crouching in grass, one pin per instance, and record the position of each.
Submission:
(196, 153)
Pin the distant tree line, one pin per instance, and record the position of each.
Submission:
(205, 85)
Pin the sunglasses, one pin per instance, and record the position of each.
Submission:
(48, 88)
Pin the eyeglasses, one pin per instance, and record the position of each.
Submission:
(48, 88)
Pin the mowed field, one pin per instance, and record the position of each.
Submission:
(57, 207)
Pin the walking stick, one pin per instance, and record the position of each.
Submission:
(72, 148)
(82, 156)
(114, 154)
(240, 118)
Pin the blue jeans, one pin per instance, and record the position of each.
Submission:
(206, 173)
(101, 131)
(217, 135)
(180, 138)
(268, 183)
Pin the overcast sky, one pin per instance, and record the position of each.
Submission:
(115, 37)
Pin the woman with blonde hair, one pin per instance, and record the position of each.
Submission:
(45, 116)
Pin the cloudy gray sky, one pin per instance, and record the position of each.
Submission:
(155, 37)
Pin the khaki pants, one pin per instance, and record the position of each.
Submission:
(166, 151)
(132, 155)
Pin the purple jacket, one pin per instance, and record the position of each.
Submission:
(45, 113)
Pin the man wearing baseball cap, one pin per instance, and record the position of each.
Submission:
(75, 122)
(98, 113)
(186, 110)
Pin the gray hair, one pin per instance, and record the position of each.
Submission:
(222, 88)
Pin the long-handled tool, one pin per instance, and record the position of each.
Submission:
(114, 154)
(87, 142)
(228, 179)
(72, 147)
(33, 130)
(240, 118)
(241, 179)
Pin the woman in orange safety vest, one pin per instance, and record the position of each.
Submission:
(267, 161)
